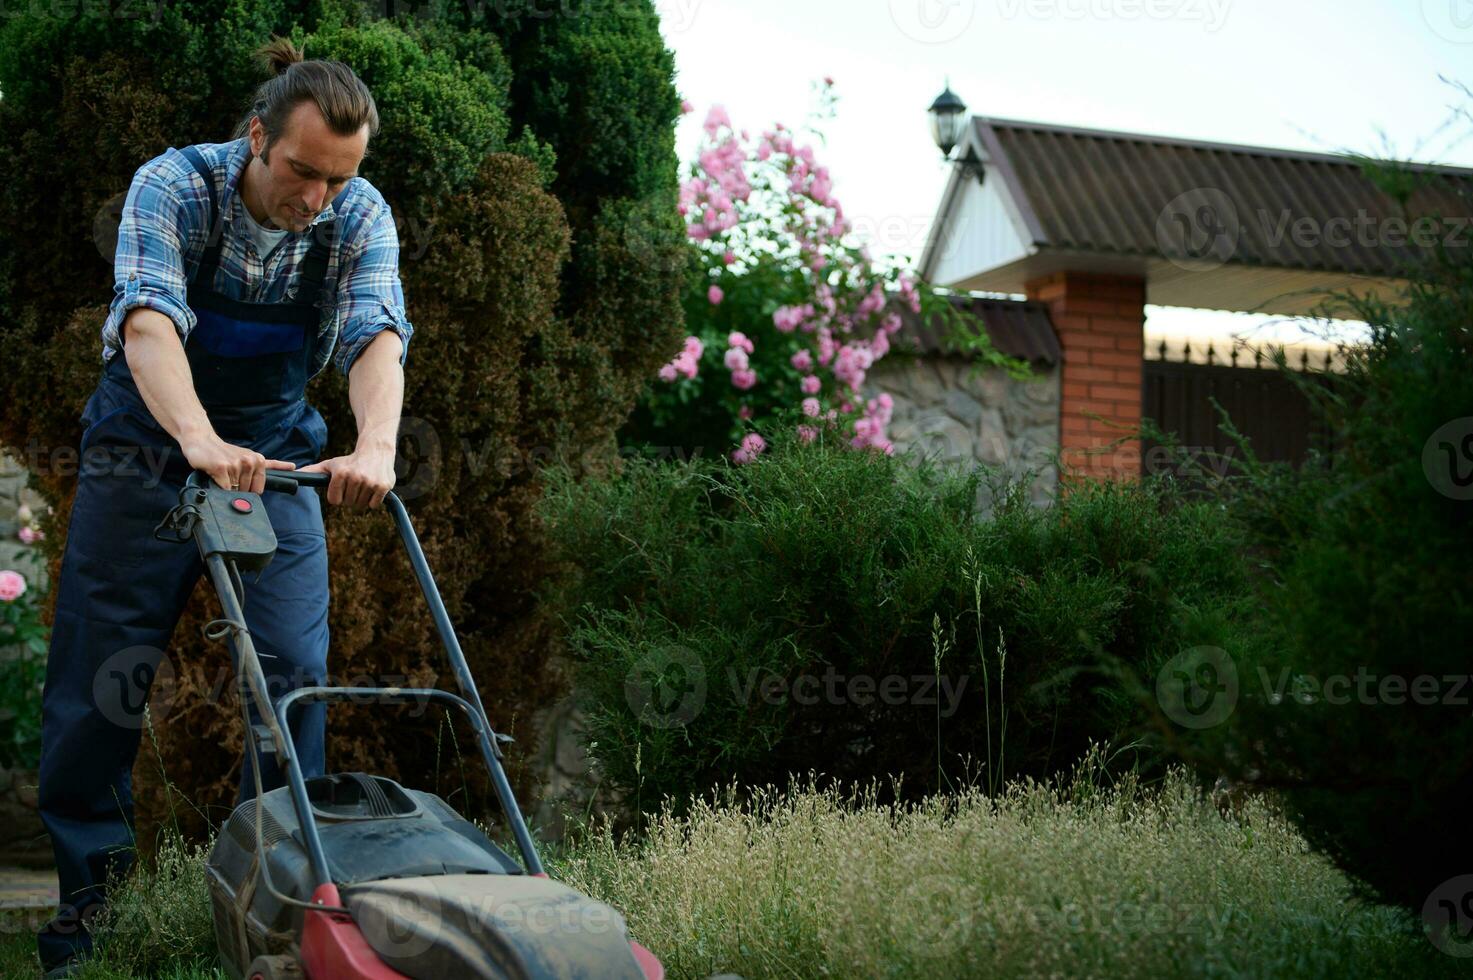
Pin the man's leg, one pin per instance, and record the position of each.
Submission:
(119, 596)
(286, 612)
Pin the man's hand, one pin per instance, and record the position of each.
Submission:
(231, 467)
(361, 479)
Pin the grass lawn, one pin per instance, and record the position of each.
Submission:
(1073, 879)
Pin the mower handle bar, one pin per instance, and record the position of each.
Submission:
(287, 481)
(282, 481)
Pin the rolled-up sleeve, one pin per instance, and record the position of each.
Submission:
(148, 270)
(370, 296)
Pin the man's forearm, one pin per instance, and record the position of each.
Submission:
(376, 392)
(160, 369)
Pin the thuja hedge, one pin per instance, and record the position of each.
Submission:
(1353, 694)
(851, 613)
(538, 313)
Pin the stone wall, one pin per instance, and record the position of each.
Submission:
(946, 409)
(23, 839)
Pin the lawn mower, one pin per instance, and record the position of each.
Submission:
(351, 875)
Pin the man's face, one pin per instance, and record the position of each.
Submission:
(307, 167)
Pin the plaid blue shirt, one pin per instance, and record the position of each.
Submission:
(161, 241)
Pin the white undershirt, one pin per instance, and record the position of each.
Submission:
(266, 239)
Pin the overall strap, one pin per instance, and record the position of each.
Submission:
(213, 232)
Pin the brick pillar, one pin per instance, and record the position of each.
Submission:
(1100, 320)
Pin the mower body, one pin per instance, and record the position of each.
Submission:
(431, 895)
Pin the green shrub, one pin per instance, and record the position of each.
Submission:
(707, 602)
(1069, 878)
(1366, 587)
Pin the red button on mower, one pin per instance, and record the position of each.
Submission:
(241, 504)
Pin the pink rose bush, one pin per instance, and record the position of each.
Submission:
(787, 314)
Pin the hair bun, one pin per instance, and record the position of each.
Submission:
(279, 54)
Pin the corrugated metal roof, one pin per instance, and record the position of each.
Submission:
(1100, 191)
(1016, 328)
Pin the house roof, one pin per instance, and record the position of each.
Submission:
(1134, 204)
(1016, 328)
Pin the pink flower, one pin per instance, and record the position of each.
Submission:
(715, 295)
(686, 364)
(807, 433)
(729, 258)
(667, 372)
(715, 119)
(745, 412)
(29, 535)
(738, 339)
(686, 108)
(803, 360)
(743, 379)
(787, 318)
(752, 444)
(736, 359)
(12, 585)
(811, 407)
(811, 383)
(694, 347)
(880, 345)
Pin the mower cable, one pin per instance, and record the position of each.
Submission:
(261, 864)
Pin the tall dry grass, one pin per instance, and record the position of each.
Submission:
(1071, 879)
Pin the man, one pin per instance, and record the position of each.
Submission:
(241, 267)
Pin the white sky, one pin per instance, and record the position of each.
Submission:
(1324, 76)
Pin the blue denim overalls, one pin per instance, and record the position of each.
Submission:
(121, 591)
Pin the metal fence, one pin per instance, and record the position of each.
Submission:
(1262, 401)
